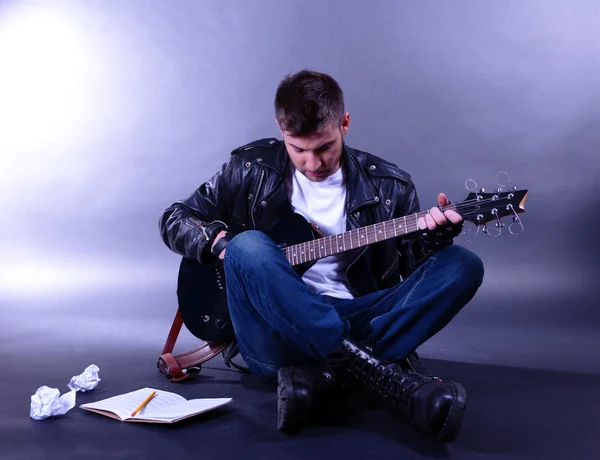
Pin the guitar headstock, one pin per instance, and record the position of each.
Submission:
(481, 208)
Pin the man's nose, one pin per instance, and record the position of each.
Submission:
(313, 163)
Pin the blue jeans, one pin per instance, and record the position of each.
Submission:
(279, 322)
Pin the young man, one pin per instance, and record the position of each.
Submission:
(355, 317)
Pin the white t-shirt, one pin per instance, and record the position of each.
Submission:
(323, 203)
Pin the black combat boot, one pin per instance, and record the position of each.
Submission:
(413, 363)
(302, 391)
(434, 407)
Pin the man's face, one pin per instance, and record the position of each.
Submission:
(317, 155)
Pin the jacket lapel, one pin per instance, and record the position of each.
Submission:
(360, 191)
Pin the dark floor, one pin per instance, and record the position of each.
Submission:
(512, 413)
(520, 411)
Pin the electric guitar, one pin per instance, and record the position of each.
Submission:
(201, 289)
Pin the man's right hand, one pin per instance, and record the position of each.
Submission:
(220, 235)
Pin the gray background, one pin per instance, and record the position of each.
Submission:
(117, 109)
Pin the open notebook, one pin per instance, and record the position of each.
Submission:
(165, 407)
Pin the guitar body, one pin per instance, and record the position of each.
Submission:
(201, 289)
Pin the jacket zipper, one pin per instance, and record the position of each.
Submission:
(389, 269)
(260, 181)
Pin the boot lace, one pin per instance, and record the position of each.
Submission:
(326, 381)
(393, 385)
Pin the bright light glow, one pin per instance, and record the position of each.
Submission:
(69, 275)
(45, 67)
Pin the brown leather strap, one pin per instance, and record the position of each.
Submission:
(185, 365)
(169, 367)
(173, 333)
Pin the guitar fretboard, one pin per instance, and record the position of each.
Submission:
(352, 239)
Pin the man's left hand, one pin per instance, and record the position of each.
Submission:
(436, 217)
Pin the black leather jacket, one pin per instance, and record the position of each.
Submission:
(249, 192)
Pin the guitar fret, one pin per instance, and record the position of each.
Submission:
(412, 218)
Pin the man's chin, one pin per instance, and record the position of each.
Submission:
(316, 177)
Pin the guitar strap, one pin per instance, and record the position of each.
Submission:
(185, 365)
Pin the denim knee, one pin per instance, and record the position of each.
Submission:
(468, 266)
(248, 246)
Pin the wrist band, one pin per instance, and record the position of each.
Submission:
(220, 245)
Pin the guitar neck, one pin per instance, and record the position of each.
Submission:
(353, 239)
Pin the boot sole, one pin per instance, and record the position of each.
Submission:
(290, 416)
(453, 423)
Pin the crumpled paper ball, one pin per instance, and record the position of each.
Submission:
(47, 402)
(86, 381)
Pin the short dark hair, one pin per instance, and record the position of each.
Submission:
(306, 101)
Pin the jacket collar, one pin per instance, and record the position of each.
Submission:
(360, 190)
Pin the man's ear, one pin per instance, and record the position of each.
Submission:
(345, 123)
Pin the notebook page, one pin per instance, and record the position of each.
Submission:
(177, 411)
(123, 405)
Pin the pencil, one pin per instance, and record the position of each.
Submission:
(141, 406)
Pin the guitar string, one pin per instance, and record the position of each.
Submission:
(371, 230)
